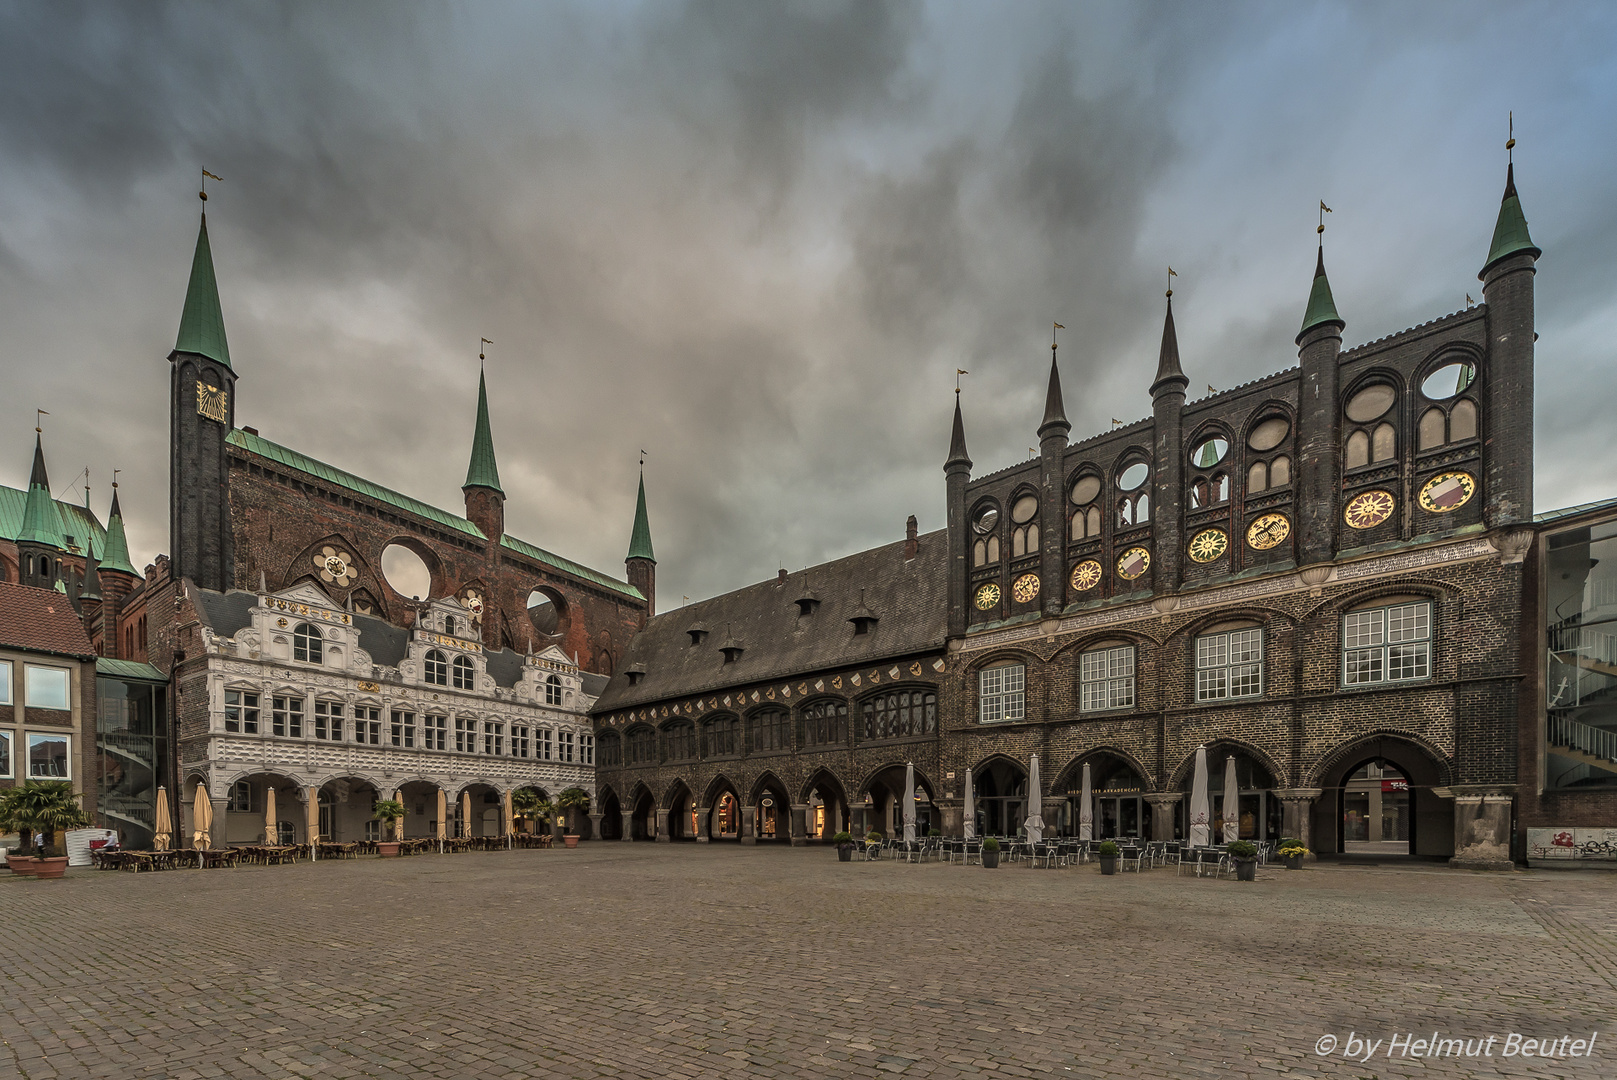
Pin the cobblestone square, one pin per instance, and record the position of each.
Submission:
(642, 960)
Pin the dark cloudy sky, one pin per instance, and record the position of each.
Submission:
(756, 240)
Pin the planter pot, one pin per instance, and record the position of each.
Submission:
(21, 865)
(50, 869)
(844, 853)
(991, 859)
(1108, 864)
(570, 841)
(1246, 869)
(388, 849)
(1294, 862)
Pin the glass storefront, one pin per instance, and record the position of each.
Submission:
(1375, 810)
(1580, 731)
(132, 754)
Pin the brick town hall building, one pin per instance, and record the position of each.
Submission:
(1331, 574)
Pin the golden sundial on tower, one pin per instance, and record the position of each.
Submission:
(1368, 509)
(1208, 545)
(1447, 491)
(986, 597)
(1025, 588)
(1085, 576)
(1268, 531)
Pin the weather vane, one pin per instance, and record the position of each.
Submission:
(1171, 274)
(957, 373)
(642, 460)
(1323, 210)
(480, 343)
(1510, 139)
(37, 414)
(1058, 326)
(115, 473)
(206, 176)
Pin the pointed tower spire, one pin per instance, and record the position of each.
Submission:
(41, 521)
(640, 537)
(115, 549)
(641, 562)
(483, 472)
(1055, 412)
(1168, 370)
(202, 323)
(957, 441)
(1510, 235)
(92, 578)
(1321, 305)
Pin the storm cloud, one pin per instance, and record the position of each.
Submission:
(756, 241)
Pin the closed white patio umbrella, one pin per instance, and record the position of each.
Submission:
(970, 823)
(1086, 809)
(1035, 803)
(1200, 812)
(1232, 802)
(909, 803)
(272, 830)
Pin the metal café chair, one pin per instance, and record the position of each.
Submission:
(972, 852)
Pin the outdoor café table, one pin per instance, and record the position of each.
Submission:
(213, 858)
(329, 850)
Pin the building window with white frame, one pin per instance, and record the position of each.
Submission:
(553, 690)
(241, 712)
(1229, 664)
(465, 735)
(545, 752)
(328, 720)
(5, 682)
(437, 668)
(49, 756)
(240, 800)
(47, 687)
(286, 717)
(435, 733)
(566, 746)
(519, 741)
(586, 749)
(1106, 679)
(1001, 693)
(493, 738)
(307, 644)
(463, 673)
(6, 767)
(1387, 643)
(367, 725)
(403, 729)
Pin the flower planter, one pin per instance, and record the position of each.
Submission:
(570, 841)
(21, 865)
(1246, 869)
(50, 869)
(1294, 862)
(388, 849)
(991, 860)
(844, 852)
(1108, 864)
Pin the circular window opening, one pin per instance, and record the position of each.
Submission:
(1085, 490)
(985, 520)
(406, 572)
(1134, 476)
(1370, 403)
(1026, 508)
(542, 612)
(1269, 434)
(1448, 380)
(1210, 453)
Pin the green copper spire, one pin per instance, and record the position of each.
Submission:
(1321, 306)
(1510, 232)
(483, 472)
(41, 522)
(115, 555)
(202, 324)
(640, 539)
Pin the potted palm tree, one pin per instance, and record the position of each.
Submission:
(1245, 854)
(991, 853)
(1108, 852)
(844, 843)
(571, 799)
(45, 807)
(389, 812)
(525, 805)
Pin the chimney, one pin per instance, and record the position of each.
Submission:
(911, 544)
(780, 579)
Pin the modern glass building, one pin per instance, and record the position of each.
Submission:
(132, 747)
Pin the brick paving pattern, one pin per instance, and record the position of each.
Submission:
(620, 960)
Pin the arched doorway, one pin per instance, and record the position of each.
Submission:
(346, 811)
(772, 811)
(1258, 811)
(999, 787)
(485, 807)
(827, 803)
(723, 812)
(1376, 810)
(611, 816)
(1118, 793)
(681, 813)
(1379, 800)
(246, 809)
(884, 802)
(643, 819)
(420, 798)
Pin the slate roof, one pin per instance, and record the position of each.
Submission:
(292, 459)
(909, 599)
(41, 620)
(77, 522)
